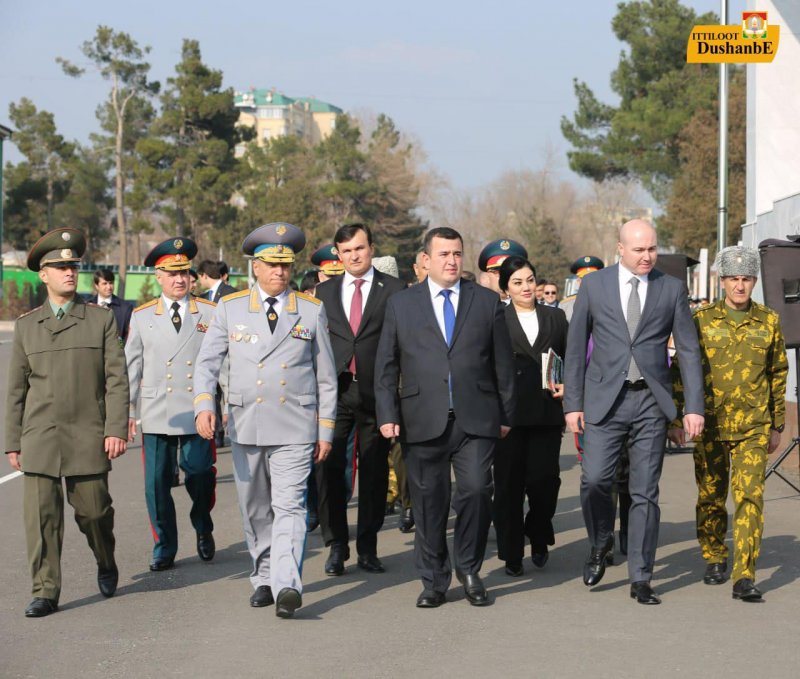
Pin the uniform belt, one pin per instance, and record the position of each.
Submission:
(638, 385)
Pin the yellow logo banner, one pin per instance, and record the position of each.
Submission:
(754, 41)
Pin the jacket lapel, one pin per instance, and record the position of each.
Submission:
(654, 287)
(287, 319)
(376, 293)
(338, 308)
(540, 345)
(466, 293)
(611, 284)
(425, 304)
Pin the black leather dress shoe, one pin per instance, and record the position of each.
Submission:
(38, 608)
(262, 597)
(474, 589)
(539, 557)
(107, 579)
(623, 542)
(644, 594)
(595, 567)
(371, 564)
(514, 569)
(746, 590)
(715, 573)
(162, 563)
(206, 547)
(340, 553)
(406, 521)
(430, 599)
(288, 601)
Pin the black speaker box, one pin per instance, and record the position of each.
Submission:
(780, 279)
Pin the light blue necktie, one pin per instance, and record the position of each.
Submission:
(449, 316)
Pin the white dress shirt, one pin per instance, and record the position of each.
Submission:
(438, 301)
(106, 301)
(182, 303)
(349, 289)
(625, 288)
(278, 306)
(530, 325)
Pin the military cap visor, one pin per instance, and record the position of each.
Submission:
(496, 252)
(583, 265)
(173, 254)
(326, 257)
(277, 243)
(59, 248)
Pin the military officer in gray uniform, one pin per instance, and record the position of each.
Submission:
(165, 336)
(281, 407)
(65, 417)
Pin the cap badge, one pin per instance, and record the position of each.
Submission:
(334, 251)
(280, 230)
(177, 243)
(66, 252)
(505, 245)
(66, 235)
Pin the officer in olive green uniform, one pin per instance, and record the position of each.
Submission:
(63, 346)
(745, 367)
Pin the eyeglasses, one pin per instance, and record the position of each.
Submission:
(550, 294)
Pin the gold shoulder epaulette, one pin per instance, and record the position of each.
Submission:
(235, 295)
(205, 301)
(308, 298)
(28, 313)
(146, 304)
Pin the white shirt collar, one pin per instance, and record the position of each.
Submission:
(181, 302)
(625, 275)
(281, 297)
(213, 288)
(435, 288)
(103, 300)
(349, 278)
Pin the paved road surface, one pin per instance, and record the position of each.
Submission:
(195, 621)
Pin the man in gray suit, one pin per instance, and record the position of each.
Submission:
(281, 408)
(165, 336)
(624, 394)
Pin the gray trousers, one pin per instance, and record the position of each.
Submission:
(636, 418)
(271, 482)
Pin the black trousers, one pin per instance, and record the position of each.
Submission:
(526, 463)
(428, 466)
(373, 474)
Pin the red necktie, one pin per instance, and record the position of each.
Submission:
(355, 316)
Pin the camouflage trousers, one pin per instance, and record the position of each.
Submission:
(744, 464)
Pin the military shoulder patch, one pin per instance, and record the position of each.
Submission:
(201, 300)
(146, 305)
(308, 298)
(235, 295)
(28, 313)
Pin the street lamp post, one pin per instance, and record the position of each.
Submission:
(5, 133)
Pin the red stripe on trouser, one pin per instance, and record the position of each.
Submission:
(214, 471)
(144, 473)
(355, 463)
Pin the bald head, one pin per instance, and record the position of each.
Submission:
(637, 246)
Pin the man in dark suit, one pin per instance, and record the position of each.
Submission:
(444, 383)
(624, 393)
(210, 275)
(356, 304)
(103, 280)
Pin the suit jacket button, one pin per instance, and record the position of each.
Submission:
(260, 365)
(169, 390)
(189, 375)
(259, 399)
(259, 382)
(188, 388)
(283, 365)
(282, 400)
(169, 376)
(169, 362)
(188, 363)
(283, 382)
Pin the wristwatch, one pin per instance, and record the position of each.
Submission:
(780, 429)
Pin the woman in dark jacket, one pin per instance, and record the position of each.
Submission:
(526, 461)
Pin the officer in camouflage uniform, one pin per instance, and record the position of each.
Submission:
(745, 367)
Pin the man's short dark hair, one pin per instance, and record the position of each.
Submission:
(106, 275)
(541, 281)
(223, 269)
(444, 232)
(509, 267)
(347, 232)
(309, 282)
(210, 268)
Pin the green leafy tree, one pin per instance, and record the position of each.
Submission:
(659, 93)
(189, 163)
(545, 248)
(47, 157)
(119, 59)
(691, 212)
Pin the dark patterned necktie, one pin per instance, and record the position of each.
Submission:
(176, 316)
(272, 315)
(634, 315)
(59, 314)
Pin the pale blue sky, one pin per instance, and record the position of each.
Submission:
(483, 85)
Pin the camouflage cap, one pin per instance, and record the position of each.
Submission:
(737, 261)
(59, 247)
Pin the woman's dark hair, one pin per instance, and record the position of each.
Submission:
(509, 266)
